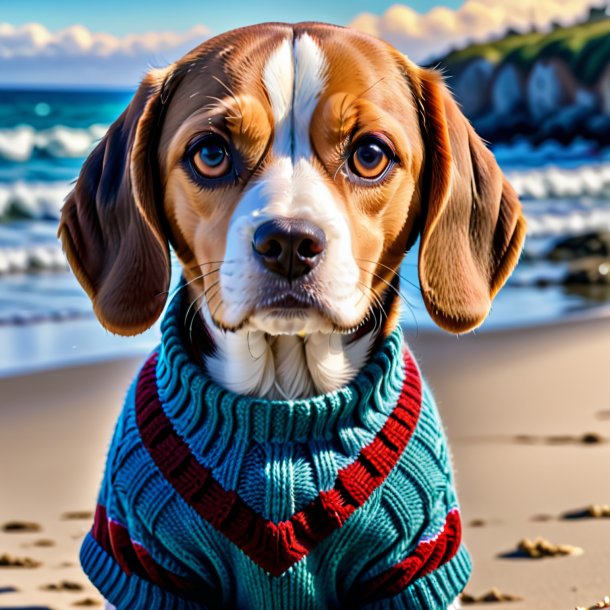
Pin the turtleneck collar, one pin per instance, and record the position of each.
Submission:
(195, 402)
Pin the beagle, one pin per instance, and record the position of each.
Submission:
(290, 168)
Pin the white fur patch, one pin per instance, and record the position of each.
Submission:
(284, 366)
(294, 76)
(278, 77)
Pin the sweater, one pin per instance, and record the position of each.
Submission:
(216, 500)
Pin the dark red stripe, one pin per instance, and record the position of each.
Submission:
(133, 558)
(274, 546)
(428, 556)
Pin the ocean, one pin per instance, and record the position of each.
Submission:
(46, 135)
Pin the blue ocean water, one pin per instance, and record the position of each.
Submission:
(46, 135)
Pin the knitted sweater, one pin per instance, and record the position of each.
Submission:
(217, 500)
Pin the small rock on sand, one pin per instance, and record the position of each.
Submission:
(21, 527)
(8, 589)
(539, 548)
(591, 438)
(542, 517)
(76, 515)
(44, 542)
(605, 603)
(495, 595)
(64, 585)
(593, 511)
(8, 561)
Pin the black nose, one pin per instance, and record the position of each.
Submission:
(291, 248)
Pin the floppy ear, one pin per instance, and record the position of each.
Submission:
(109, 227)
(473, 229)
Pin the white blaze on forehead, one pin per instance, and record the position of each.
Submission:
(294, 76)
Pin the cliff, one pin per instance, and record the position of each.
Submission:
(538, 85)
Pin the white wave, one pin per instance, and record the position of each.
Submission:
(20, 143)
(36, 200)
(48, 257)
(575, 223)
(563, 183)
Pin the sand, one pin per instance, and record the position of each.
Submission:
(516, 404)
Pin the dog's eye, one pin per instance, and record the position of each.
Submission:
(371, 158)
(210, 157)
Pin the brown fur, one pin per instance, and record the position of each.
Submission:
(133, 193)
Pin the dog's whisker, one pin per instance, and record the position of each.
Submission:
(388, 284)
(186, 284)
(377, 300)
(255, 358)
(339, 169)
(399, 294)
(220, 302)
(220, 101)
(359, 96)
(395, 271)
(186, 315)
(232, 94)
(202, 298)
(231, 261)
(197, 298)
(181, 286)
(199, 265)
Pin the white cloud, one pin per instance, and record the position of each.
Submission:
(33, 54)
(428, 35)
(35, 40)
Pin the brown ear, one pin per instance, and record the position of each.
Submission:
(473, 229)
(109, 227)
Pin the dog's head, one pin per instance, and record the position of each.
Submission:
(291, 168)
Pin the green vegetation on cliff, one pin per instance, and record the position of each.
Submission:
(585, 47)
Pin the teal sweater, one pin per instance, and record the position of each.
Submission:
(216, 500)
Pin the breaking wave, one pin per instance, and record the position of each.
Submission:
(28, 259)
(33, 200)
(21, 143)
(562, 183)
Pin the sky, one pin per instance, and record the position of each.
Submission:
(121, 17)
(111, 43)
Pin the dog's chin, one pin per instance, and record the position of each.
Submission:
(289, 321)
(290, 312)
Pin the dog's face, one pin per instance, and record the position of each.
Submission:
(288, 181)
(291, 167)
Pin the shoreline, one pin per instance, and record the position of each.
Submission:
(48, 345)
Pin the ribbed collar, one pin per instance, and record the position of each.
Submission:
(195, 402)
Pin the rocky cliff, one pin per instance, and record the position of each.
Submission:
(537, 85)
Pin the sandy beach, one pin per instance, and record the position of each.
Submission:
(528, 416)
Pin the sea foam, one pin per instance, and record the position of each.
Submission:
(28, 259)
(20, 143)
(35, 200)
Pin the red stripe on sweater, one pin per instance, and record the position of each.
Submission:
(274, 546)
(428, 556)
(133, 558)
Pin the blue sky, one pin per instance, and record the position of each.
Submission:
(123, 17)
(111, 43)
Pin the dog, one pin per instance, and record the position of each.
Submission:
(280, 449)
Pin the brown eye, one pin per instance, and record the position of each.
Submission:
(370, 159)
(210, 157)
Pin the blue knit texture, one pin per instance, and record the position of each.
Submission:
(277, 456)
